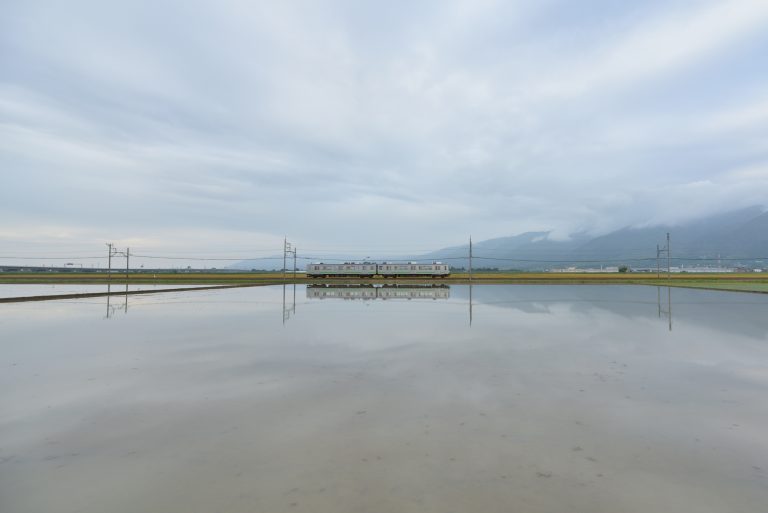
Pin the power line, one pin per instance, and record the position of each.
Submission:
(53, 258)
(475, 256)
(204, 258)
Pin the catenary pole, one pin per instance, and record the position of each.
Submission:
(470, 258)
(109, 261)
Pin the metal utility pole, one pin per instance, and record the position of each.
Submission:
(109, 268)
(470, 258)
(659, 251)
(114, 252)
(288, 249)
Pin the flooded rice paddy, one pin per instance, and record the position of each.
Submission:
(32, 290)
(522, 399)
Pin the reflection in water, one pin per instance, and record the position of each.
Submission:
(470, 303)
(388, 291)
(668, 312)
(559, 398)
(112, 308)
(289, 308)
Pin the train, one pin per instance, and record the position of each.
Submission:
(373, 270)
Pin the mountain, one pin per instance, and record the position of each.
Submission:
(740, 234)
(526, 247)
(738, 237)
(701, 238)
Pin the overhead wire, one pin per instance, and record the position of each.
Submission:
(394, 258)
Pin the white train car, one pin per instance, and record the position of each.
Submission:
(370, 269)
(434, 270)
(322, 270)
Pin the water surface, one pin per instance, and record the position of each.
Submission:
(554, 398)
(55, 289)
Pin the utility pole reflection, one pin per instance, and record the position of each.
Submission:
(289, 308)
(112, 308)
(661, 310)
(470, 304)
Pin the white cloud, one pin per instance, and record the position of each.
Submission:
(450, 118)
(673, 41)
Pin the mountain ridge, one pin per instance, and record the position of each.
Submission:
(735, 235)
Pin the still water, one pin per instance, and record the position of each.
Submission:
(14, 290)
(526, 399)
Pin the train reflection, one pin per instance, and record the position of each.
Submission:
(368, 292)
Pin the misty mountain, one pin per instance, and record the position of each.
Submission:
(526, 246)
(739, 234)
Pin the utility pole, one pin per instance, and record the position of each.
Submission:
(109, 268)
(114, 252)
(288, 248)
(659, 251)
(470, 258)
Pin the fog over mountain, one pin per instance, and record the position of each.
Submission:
(735, 237)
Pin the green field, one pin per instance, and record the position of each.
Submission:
(747, 282)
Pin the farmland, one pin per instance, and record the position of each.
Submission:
(746, 282)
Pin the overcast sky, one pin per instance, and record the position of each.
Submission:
(216, 128)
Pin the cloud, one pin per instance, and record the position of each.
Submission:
(670, 42)
(400, 124)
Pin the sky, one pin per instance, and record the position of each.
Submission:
(216, 129)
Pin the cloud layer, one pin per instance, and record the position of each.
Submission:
(217, 127)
